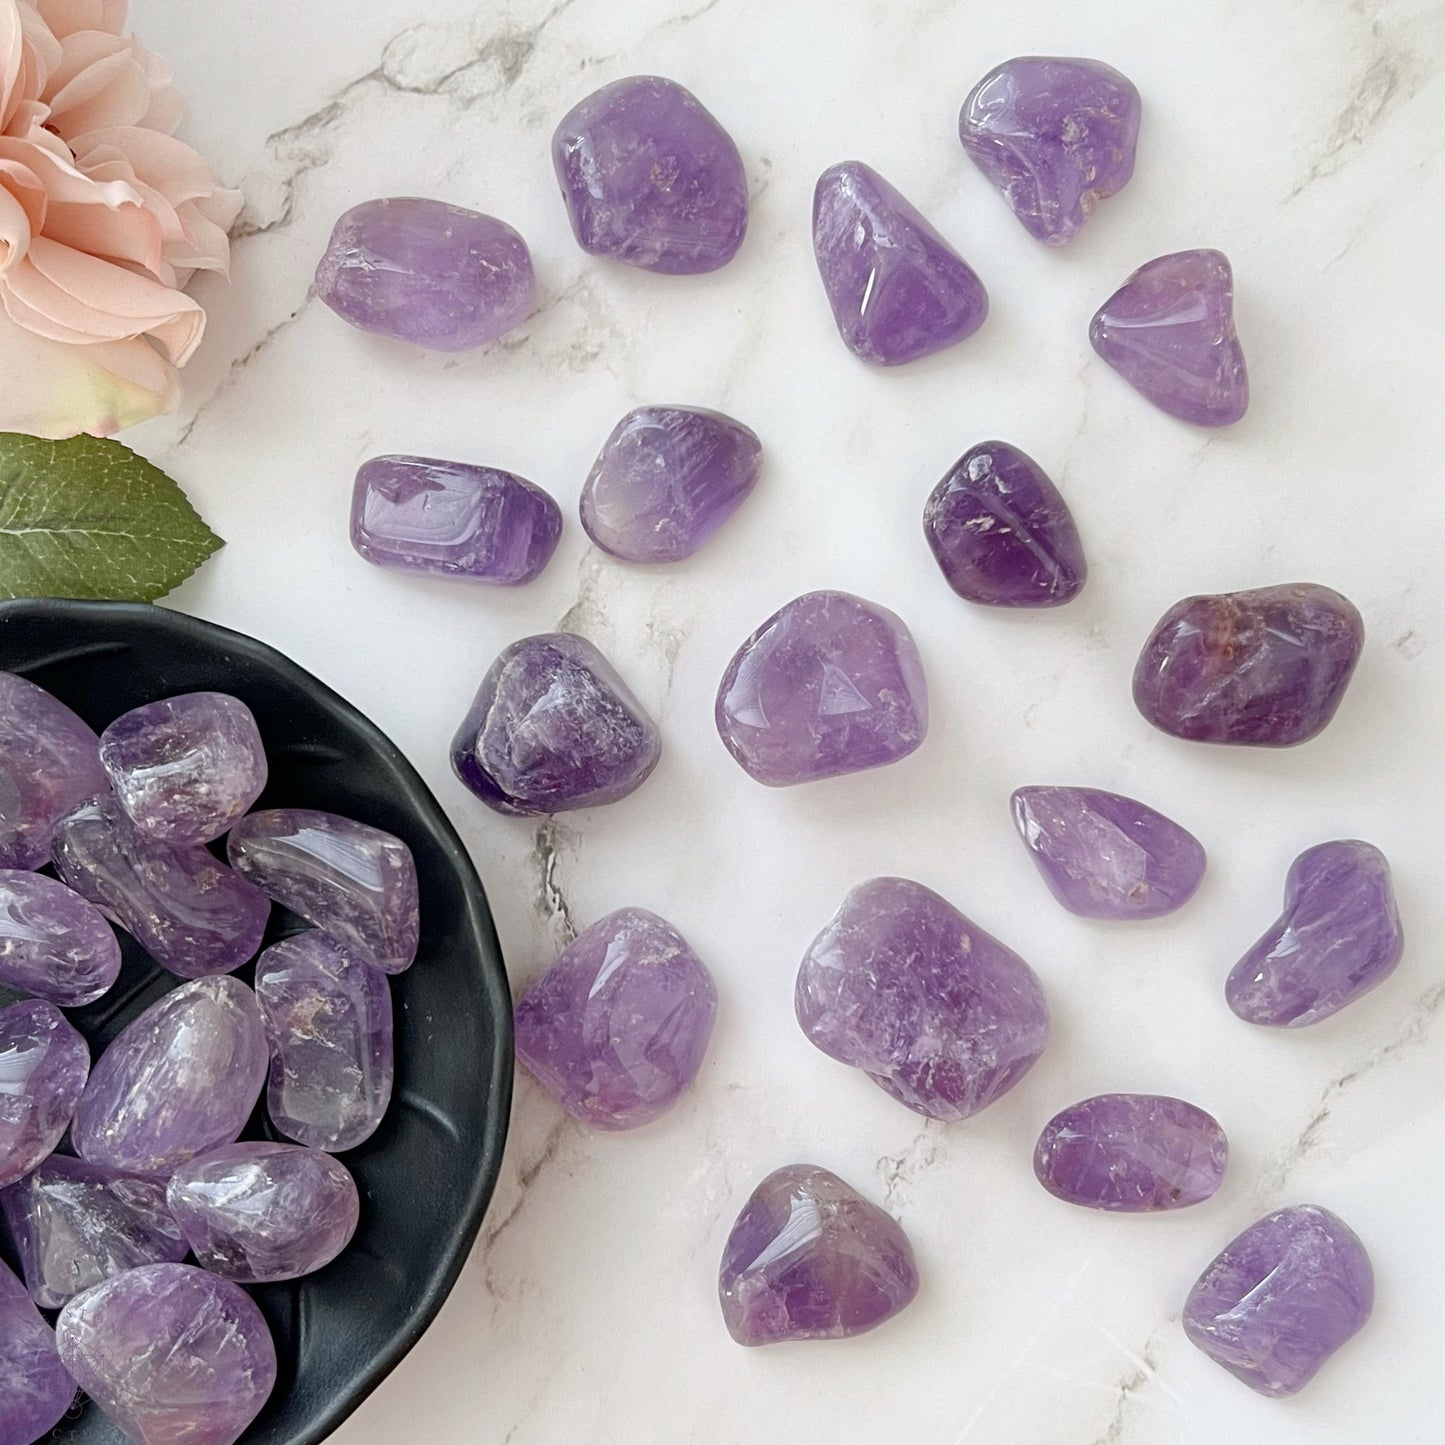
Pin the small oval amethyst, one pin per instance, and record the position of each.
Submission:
(43, 1068)
(37, 1389)
(53, 943)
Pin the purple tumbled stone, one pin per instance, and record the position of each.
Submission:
(35, 1388)
(828, 684)
(422, 271)
(666, 479)
(898, 290)
(1055, 135)
(328, 1020)
(53, 943)
(43, 1068)
(617, 1028)
(76, 1224)
(1132, 1153)
(49, 762)
(810, 1259)
(452, 519)
(351, 880)
(1107, 856)
(1265, 668)
(1002, 534)
(553, 727)
(171, 1354)
(179, 1079)
(1169, 332)
(650, 178)
(935, 1011)
(1338, 937)
(1282, 1298)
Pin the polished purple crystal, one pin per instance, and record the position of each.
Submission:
(172, 1354)
(898, 290)
(329, 1023)
(43, 1067)
(1169, 332)
(1282, 1298)
(179, 1079)
(935, 1011)
(650, 178)
(810, 1259)
(1107, 856)
(1266, 668)
(75, 1224)
(49, 762)
(1001, 532)
(452, 519)
(666, 479)
(1055, 135)
(1338, 937)
(553, 727)
(52, 942)
(422, 271)
(351, 880)
(617, 1028)
(828, 684)
(35, 1388)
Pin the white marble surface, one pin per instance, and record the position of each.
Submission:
(1302, 137)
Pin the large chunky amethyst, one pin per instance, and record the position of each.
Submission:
(828, 684)
(1001, 532)
(1169, 332)
(1265, 668)
(179, 1079)
(1282, 1298)
(52, 942)
(49, 762)
(1055, 135)
(1338, 937)
(935, 1011)
(425, 272)
(1107, 856)
(650, 178)
(617, 1028)
(43, 1067)
(35, 1388)
(554, 727)
(452, 519)
(666, 479)
(351, 880)
(810, 1259)
(898, 290)
(170, 1353)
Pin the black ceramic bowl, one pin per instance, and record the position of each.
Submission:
(427, 1173)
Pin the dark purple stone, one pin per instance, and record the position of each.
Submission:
(52, 942)
(43, 1068)
(35, 1389)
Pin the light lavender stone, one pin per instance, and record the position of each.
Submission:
(43, 1067)
(53, 943)
(35, 1390)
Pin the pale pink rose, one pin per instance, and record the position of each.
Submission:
(104, 215)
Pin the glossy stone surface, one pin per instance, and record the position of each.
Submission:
(1132, 1154)
(49, 762)
(35, 1389)
(666, 479)
(553, 727)
(898, 290)
(43, 1068)
(650, 178)
(53, 944)
(1169, 332)
(810, 1259)
(422, 271)
(351, 880)
(935, 1011)
(1001, 533)
(1055, 135)
(179, 1079)
(617, 1028)
(76, 1224)
(1107, 856)
(1338, 937)
(172, 1354)
(828, 684)
(328, 1018)
(255, 1213)
(1282, 1298)
(452, 519)
(1265, 668)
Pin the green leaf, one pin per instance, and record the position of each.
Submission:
(87, 517)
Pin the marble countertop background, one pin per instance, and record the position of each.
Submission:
(1303, 138)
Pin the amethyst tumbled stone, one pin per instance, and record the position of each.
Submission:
(43, 1068)
(53, 943)
(35, 1388)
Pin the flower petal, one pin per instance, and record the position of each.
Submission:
(65, 17)
(105, 89)
(22, 211)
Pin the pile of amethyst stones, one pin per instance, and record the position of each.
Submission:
(114, 1173)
